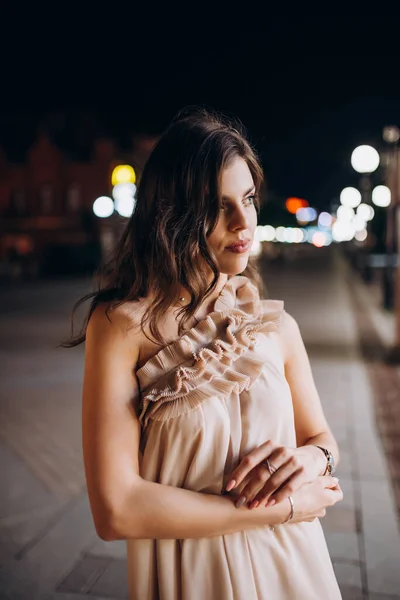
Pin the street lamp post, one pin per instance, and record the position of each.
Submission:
(365, 160)
(391, 135)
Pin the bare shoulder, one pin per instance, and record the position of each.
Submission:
(122, 324)
(288, 325)
(289, 336)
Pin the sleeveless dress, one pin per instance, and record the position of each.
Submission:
(206, 400)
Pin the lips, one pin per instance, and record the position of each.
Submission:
(239, 247)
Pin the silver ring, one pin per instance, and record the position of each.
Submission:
(271, 467)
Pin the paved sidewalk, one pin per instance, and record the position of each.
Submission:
(48, 548)
(362, 531)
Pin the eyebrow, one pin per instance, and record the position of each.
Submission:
(252, 189)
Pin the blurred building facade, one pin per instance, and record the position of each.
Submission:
(47, 225)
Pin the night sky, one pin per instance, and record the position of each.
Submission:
(308, 89)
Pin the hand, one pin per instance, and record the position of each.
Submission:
(291, 469)
(312, 500)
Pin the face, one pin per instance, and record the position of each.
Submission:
(232, 238)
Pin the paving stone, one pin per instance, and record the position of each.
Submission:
(68, 596)
(348, 574)
(47, 563)
(340, 519)
(108, 549)
(350, 592)
(113, 582)
(373, 596)
(84, 575)
(343, 546)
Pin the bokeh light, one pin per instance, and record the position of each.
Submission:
(342, 231)
(350, 196)
(293, 204)
(361, 235)
(256, 247)
(365, 159)
(365, 211)
(125, 206)
(325, 219)
(359, 223)
(306, 214)
(103, 207)
(280, 234)
(345, 213)
(123, 190)
(381, 196)
(319, 239)
(123, 174)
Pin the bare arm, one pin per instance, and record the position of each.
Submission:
(260, 485)
(123, 504)
(312, 428)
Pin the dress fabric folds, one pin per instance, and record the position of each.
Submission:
(207, 400)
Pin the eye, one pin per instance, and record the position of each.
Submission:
(250, 199)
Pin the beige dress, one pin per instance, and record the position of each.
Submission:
(207, 399)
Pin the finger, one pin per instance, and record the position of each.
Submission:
(248, 463)
(328, 481)
(334, 495)
(280, 478)
(256, 482)
(280, 456)
(291, 486)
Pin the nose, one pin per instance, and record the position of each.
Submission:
(239, 219)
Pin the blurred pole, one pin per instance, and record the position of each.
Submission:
(365, 185)
(394, 185)
(389, 271)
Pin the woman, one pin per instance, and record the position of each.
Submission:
(205, 444)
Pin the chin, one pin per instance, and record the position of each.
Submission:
(233, 267)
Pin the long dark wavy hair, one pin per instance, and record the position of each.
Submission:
(164, 244)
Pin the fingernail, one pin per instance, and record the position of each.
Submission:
(241, 501)
(271, 502)
(230, 485)
(254, 504)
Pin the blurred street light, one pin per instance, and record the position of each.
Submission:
(391, 134)
(293, 204)
(342, 231)
(359, 223)
(103, 207)
(350, 196)
(124, 206)
(365, 159)
(365, 211)
(123, 190)
(345, 213)
(306, 214)
(325, 219)
(381, 196)
(123, 174)
(361, 235)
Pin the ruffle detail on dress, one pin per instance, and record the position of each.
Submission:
(216, 358)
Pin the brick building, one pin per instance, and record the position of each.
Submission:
(47, 225)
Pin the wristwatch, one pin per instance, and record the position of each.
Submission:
(330, 463)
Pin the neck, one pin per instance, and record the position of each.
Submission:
(184, 297)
